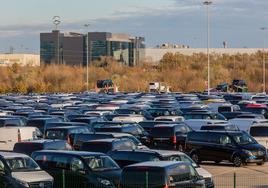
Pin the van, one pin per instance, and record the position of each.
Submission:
(237, 147)
(78, 169)
(156, 174)
(11, 135)
(20, 171)
(260, 133)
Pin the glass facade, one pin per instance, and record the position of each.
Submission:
(47, 51)
(98, 49)
(120, 51)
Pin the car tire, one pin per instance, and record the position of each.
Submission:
(237, 160)
(195, 158)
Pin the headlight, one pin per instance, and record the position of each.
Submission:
(247, 152)
(23, 183)
(104, 181)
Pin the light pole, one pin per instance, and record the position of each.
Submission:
(86, 26)
(207, 3)
(263, 60)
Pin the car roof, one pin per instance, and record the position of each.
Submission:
(77, 153)
(107, 140)
(65, 127)
(162, 164)
(166, 125)
(11, 155)
(40, 141)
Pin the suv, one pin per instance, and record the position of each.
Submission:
(161, 174)
(128, 157)
(78, 139)
(106, 145)
(237, 147)
(28, 147)
(169, 136)
(78, 169)
(20, 171)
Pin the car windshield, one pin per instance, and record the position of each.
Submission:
(100, 163)
(19, 164)
(243, 139)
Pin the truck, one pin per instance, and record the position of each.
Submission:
(158, 87)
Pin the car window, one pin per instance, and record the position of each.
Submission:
(2, 166)
(62, 162)
(76, 165)
(224, 140)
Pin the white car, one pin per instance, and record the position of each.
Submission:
(19, 170)
(170, 118)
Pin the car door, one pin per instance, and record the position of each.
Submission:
(4, 179)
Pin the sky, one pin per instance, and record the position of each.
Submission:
(160, 21)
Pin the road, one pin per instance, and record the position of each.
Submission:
(251, 176)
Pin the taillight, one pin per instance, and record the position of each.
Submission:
(174, 140)
(19, 136)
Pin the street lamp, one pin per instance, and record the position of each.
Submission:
(207, 3)
(263, 60)
(86, 26)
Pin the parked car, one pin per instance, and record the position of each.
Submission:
(79, 169)
(161, 174)
(41, 123)
(260, 133)
(11, 135)
(106, 145)
(237, 147)
(78, 139)
(170, 118)
(11, 121)
(148, 125)
(62, 133)
(169, 136)
(28, 147)
(20, 171)
(128, 157)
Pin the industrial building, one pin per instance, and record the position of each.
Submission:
(71, 48)
(19, 59)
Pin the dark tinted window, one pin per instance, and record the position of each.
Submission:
(56, 134)
(211, 127)
(96, 147)
(224, 109)
(162, 131)
(198, 136)
(139, 176)
(27, 148)
(258, 131)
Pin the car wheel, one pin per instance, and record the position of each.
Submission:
(237, 161)
(195, 158)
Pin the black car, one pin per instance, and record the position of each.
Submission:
(79, 169)
(122, 127)
(169, 136)
(159, 174)
(106, 145)
(28, 147)
(63, 133)
(41, 123)
(79, 138)
(156, 112)
(148, 125)
(237, 147)
(128, 157)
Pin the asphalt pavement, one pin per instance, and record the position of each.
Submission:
(227, 176)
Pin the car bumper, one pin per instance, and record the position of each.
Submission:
(259, 160)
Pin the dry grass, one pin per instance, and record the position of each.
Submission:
(181, 72)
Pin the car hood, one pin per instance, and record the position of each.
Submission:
(253, 147)
(203, 172)
(113, 175)
(33, 176)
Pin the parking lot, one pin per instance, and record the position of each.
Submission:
(247, 176)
